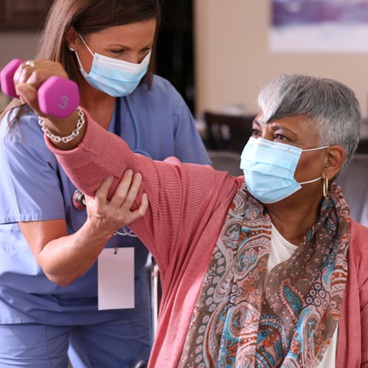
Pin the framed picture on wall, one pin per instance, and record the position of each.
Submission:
(318, 26)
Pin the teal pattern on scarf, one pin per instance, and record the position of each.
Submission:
(237, 322)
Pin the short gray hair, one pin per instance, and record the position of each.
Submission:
(331, 105)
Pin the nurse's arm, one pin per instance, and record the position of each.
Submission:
(63, 257)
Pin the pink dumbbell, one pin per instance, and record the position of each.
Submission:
(57, 96)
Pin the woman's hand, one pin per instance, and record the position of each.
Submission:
(65, 257)
(31, 75)
(28, 78)
(110, 215)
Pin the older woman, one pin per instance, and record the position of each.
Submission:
(265, 272)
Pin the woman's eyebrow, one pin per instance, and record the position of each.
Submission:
(275, 127)
(282, 127)
(120, 45)
(255, 121)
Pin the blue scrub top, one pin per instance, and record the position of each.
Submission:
(33, 187)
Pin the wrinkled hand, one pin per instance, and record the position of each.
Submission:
(110, 215)
(28, 78)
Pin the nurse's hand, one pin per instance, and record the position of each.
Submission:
(28, 78)
(110, 215)
(30, 75)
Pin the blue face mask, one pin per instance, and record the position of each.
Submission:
(269, 169)
(115, 77)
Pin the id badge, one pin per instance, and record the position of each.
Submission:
(116, 278)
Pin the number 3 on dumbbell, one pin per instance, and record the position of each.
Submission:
(64, 102)
(57, 96)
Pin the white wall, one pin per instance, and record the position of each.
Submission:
(232, 57)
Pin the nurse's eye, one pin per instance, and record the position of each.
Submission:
(118, 52)
(145, 51)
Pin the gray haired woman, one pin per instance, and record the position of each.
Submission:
(264, 270)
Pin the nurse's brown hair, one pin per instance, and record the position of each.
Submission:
(88, 16)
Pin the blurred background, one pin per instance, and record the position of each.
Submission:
(217, 53)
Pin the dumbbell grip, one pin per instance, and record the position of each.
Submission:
(6, 78)
(57, 96)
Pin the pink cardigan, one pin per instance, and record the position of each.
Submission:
(188, 206)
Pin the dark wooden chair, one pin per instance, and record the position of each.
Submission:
(227, 132)
(363, 146)
(354, 184)
(226, 161)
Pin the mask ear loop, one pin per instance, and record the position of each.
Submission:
(92, 53)
(325, 186)
(315, 149)
(77, 56)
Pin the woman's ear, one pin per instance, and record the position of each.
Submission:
(72, 39)
(334, 159)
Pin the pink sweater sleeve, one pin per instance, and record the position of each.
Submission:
(180, 195)
(353, 325)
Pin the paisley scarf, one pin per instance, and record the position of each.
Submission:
(237, 322)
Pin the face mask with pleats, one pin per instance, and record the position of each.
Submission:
(115, 77)
(269, 169)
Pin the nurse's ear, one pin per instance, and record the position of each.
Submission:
(72, 39)
(333, 161)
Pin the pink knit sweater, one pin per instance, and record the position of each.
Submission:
(188, 206)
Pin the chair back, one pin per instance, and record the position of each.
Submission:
(362, 146)
(226, 161)
(354, 184)
(227, 132)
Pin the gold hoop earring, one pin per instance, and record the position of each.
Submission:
(325, 186)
